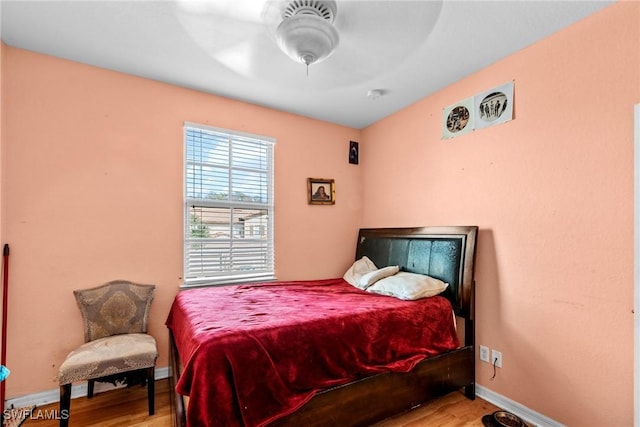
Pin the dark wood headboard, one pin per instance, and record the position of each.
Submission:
(446, 253)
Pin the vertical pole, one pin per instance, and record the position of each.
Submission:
(5, 293)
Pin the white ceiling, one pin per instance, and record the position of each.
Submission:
(227, 47)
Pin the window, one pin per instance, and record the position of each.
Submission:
(228, 232)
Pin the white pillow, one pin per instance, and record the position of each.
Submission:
(408, 286)
(358, 269)
(373, 276)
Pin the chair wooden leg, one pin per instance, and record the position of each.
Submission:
(151, 387)
(65, 404)
(90, 385)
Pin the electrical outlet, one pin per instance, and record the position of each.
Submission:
(496, 357)
(484, 353)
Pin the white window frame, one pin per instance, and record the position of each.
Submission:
(207, 277)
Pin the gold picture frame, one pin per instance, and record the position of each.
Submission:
(321, 191)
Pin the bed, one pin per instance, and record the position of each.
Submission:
(308, 352)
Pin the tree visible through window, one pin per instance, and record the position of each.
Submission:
(228, 206)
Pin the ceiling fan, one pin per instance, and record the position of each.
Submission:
(346, 42)
(307, 33)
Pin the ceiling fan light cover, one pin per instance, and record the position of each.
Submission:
(307, 38)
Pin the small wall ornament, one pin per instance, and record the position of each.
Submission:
(494, 106)
(458, 119)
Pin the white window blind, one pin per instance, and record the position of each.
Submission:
(228, 207)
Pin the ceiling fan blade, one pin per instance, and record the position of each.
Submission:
(376, 36)
(231, 32)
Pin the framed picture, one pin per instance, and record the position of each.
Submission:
(353, 152)
(321, 191)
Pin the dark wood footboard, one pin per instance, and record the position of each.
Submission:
(376, 398)
(351, 404)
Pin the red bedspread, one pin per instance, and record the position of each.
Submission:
(254, 353)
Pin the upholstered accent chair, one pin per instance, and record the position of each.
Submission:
(116, 346)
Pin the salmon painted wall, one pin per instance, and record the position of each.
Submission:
(552, 193)
(1, 122)
(93, 167)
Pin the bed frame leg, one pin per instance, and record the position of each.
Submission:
(470, 391)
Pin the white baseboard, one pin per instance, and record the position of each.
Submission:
(528, 415)
(80, 390)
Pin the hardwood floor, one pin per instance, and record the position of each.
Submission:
(125, 407)
(128, 407)
(452, 410)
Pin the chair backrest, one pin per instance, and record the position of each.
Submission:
(117, 307)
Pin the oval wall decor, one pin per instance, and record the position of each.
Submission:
(492, 106)
(458, 119)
